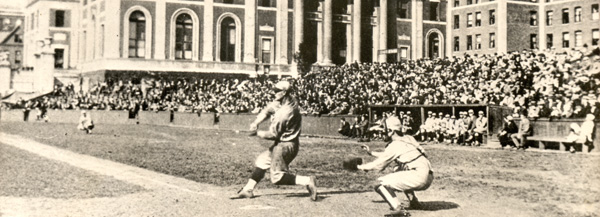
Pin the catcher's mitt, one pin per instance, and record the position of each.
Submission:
(352, 163)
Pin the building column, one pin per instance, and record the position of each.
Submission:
(542, 26)
(382, 30)
(375, 55)
(250, 31)
(161, 33)
(449, 29)
(44, 66)
(349, 39)
(417, 17)
(320, 35)
(501, 19)
(282, 32)
(298, 24)
(327, 29)
(356, 21)
(207, 34)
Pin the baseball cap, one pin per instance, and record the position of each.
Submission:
(282, 86)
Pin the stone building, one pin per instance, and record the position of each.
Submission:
(96, 37)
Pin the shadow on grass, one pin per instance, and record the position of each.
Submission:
(437, 205)
(321, 196)
(430, 205)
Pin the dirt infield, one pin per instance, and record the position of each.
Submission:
(469, 181)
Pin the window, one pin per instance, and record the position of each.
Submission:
(549, 15)
(18, 57)
(578, 14)
(492, 40)
(578, 39)
(476, 1)
(469, 20)
(228, 34)
(102, 40)
(266, 50)
(456, 44)
(533, 41)
(265, 3)
(228, 1)
(469, 2)
(404, 52)
(403, 9)
(433, 10)
(595, 37)
(549, 41)
(59, 18)
(183, 36)
(137, 35)
(478, 19)
(456, 21)
(492, 17)
(456, 3)
(565, 15)
(18, 38)
(32, 20)
(478, 42)
(533, 18)
(565, 40)
(595, 13)
(59, 58)
(469, 42)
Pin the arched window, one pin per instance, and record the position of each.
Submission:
(228, 40)
(183, 37)
(137, 35)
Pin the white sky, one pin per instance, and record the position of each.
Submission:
(13, 3)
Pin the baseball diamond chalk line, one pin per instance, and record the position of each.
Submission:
(130, 174)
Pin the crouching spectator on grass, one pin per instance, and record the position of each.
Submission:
(581, 135)
(85, 123)
(520, 137)
(508, 129)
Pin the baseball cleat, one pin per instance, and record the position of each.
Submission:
(398, 212)
(312, 188)
(243, 194)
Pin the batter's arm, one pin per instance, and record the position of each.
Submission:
(277, 125)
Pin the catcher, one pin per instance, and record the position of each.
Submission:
(412, 173)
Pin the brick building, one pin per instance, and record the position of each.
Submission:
(488, 26)
(11, 35)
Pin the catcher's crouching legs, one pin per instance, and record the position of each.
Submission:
(388, 194)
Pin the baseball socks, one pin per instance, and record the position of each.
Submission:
(247, 190)
(257, 175)
(310, 183)
(388, 195)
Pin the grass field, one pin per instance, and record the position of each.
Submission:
(549, 183)
(27, 175)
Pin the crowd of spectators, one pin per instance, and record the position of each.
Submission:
(555, 85)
